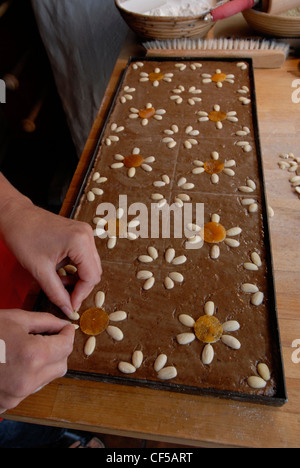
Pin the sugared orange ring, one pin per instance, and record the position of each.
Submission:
(156, 76)
(214, 233)
(219, 77)
(147, 113)
(213, 167)
(133, 160)
(208, 329)
(94, 321)
(217, 116)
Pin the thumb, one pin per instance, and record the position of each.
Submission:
(41, 322)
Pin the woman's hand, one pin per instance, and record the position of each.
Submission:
(37, 347)
(41, 241)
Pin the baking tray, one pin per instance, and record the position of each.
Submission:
(280, 398)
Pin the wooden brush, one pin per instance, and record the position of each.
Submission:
(265, 54)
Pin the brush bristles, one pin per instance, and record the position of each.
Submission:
(216, 44)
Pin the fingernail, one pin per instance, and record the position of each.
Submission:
(69, 313)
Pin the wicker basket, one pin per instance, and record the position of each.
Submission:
(273, 25)
(163, 27)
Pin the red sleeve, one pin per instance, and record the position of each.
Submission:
(15, 282)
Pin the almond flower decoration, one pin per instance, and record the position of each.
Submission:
(146, 114)
(218, 78)
(132, 162)
(96, 191)
(114, 138)
(218, 116)
(95, 321)
(115, 228)
(214, 167)
(171, 259)
(208, 330)
(190, 132)
(127, 96)
(214, 234)
(193, 95)
(156, 77)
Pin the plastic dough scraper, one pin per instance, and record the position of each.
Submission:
(138, 6)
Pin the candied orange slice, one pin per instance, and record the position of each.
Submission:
(208, 329)
(147, 113)
(156, 76)
(133, 160)
(94, 321)
(217, 116)
(115, 227)
(219, 77)
(213, 167)
(214, 233)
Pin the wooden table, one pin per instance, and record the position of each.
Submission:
(195, 420)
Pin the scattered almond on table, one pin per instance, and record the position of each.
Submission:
(291, 163)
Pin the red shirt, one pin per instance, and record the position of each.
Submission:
(15, 282)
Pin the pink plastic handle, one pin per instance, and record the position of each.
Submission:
(231, 8)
